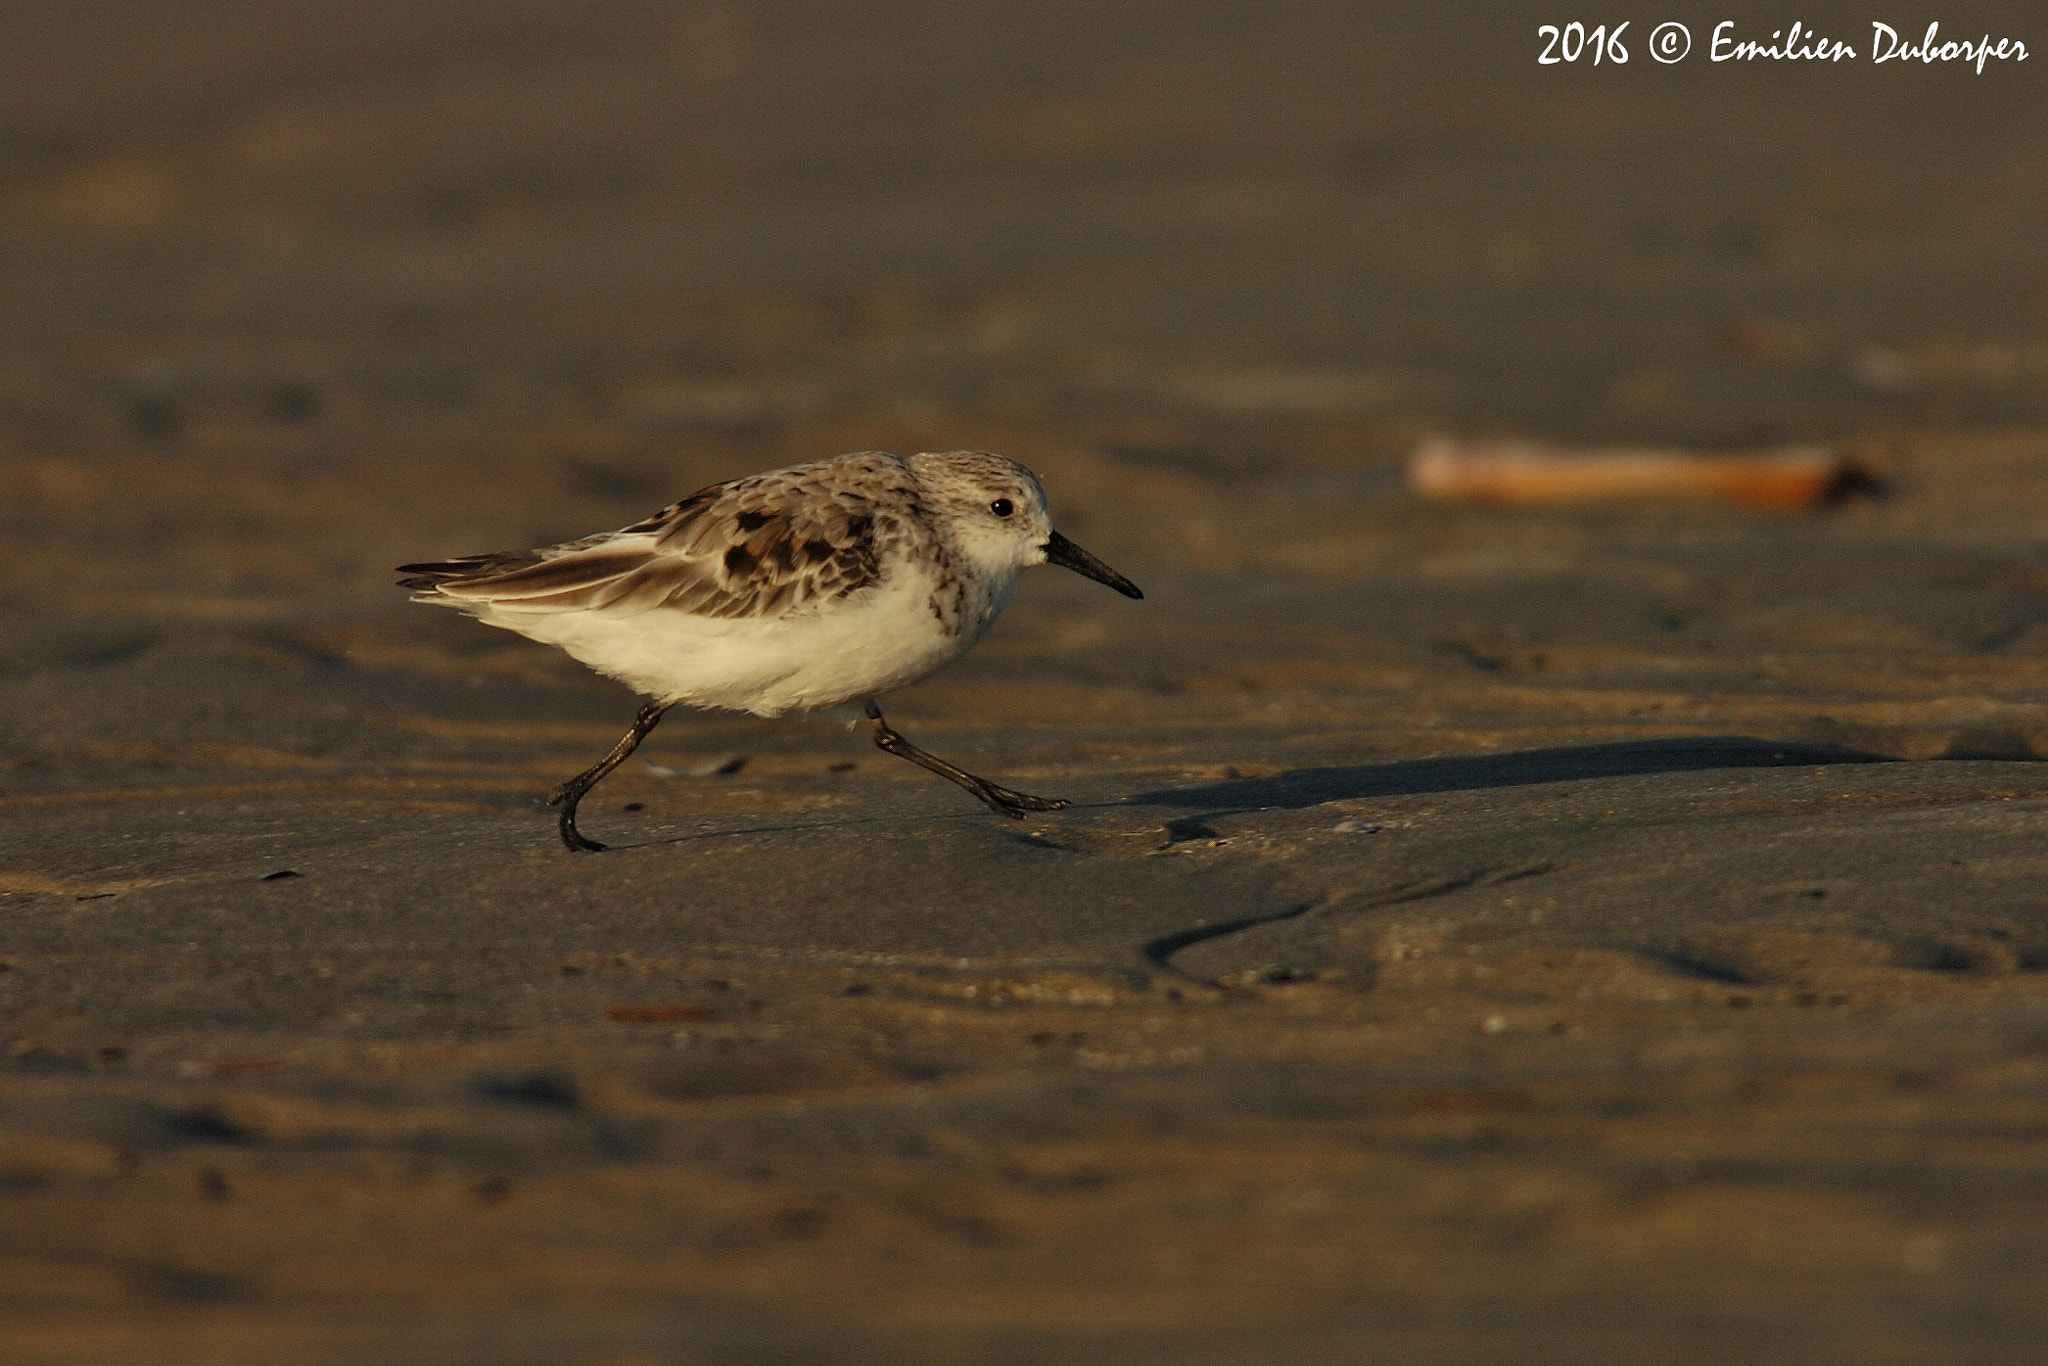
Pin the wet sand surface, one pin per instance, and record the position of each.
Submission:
(1478, 934)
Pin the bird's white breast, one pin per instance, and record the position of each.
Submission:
(879, 639)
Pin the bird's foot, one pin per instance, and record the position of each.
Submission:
(567, 796)
(577, 841)
(1004, 802)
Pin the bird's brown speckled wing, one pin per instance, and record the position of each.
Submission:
(762, 546)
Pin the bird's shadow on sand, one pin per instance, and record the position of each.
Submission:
(1303, 787)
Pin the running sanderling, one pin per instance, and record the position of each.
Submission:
(814, 588)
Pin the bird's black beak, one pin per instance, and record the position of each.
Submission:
(1064, 553)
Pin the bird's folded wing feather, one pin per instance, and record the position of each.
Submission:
(759, 547)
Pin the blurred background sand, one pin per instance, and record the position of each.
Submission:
(1480, 934)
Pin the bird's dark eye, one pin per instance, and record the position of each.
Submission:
(1002, 507)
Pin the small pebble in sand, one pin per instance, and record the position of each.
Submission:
(1356, 828)
(724, 766)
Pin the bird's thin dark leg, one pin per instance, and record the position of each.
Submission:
(1000, 800)
(568, 794)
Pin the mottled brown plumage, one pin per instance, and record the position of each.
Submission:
(755, 547)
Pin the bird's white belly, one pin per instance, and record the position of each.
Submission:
(842, 652)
